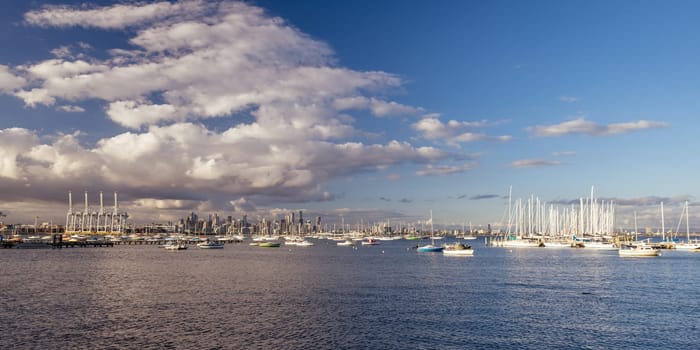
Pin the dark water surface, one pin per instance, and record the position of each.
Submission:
(328, 297)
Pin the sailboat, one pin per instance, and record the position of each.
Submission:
(688, 245)
(430, 248)
(471, 233)
(637, 249)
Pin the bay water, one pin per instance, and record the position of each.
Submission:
(328, 297)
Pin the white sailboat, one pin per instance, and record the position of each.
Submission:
(637, 249)
(470, 236)
(688, 244)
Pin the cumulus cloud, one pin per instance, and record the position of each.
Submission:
(586, 127)
(283, 100)
(201, 59)
(454, 132)
(112, 17)
(243, 205)
(9, 81)
(377, 107)
(187, 162)
(133, 114)
(533, 163)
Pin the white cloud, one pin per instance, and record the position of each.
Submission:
(153, 203)
(187, 161)
(132, 114)
(383, 108)
(586, 127)
(34, 97)
(286, 132)
(201, 60)
(71, 109)
(533, 163)
(432, 170)
(377, 107)
(454, 132)
(14, 143)
(112, 17)
(10, 81)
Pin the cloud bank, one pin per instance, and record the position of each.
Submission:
(284, 98)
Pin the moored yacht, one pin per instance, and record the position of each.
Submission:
(210, 245)
(637, 250)
(458, 249)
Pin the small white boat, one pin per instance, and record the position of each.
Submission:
(370, 242)
(458, 249)
(211, 245)
(557, 244)
(346, 243)
(599, 245)
(638, 250)
(521, 243)
(688, 246)
(175, 246)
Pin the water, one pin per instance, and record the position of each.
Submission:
(328, 297)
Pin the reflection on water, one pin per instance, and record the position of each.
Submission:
(328, 297)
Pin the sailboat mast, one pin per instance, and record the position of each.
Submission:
(431, 224)
(663, 230)
(635, 225)
(687, 226)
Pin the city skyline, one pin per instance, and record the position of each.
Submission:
(362, 110)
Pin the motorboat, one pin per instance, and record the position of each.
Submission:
(458, 249)
(175, 246)
(304, 243)
(346, 243)
(211, 245)
(600, 245)
(370, 241)
(637, 250)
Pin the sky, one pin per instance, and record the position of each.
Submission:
(351, 110)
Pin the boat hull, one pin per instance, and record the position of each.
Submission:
(430, 249)
(213, 246)
(640, 253)
(458, 252)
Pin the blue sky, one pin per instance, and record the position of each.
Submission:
(372, 110)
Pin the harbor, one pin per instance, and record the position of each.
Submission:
(244, 296)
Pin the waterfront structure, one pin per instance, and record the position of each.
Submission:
(95, 222)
